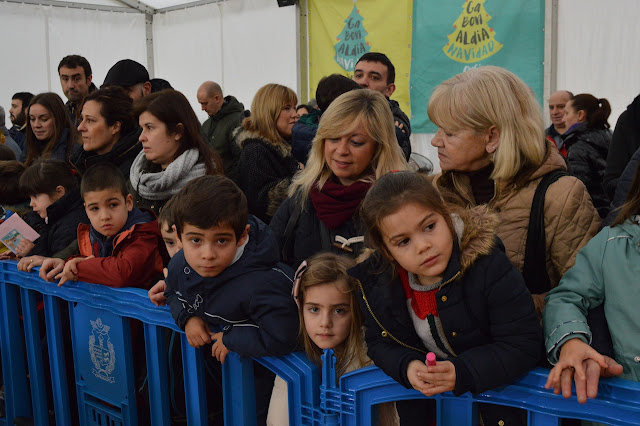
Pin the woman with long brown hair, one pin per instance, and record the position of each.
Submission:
(49, 130)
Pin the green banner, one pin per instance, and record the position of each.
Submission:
(453, 36)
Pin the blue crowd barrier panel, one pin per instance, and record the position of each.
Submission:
(102, 373)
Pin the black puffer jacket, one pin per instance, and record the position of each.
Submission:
(121, 155)
(63, 218)
(309, 235)
(486, 311)
(624, 143)
(587, 151)
(402, 134)
(264, 173)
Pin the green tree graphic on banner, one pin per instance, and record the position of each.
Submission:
(472, 39)
(351, 41)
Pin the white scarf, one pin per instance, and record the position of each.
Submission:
(163, 184)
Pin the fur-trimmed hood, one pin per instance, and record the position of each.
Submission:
(243, 136)
(476, 236)
(476, 229)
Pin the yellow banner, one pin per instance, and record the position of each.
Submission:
(341, 31)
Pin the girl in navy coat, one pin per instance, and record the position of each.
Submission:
(441, 282)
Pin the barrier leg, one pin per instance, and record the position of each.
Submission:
(239, 391)
(194, 389)
(156, 351)
(57, 364)
(34, 357)
(14, 369)
(539, 419)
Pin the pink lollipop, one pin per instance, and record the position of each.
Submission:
(431, 358)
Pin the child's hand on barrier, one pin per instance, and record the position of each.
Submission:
(197, 331)
(51, 267)
(440, 378)
(571, 365)
(218, 349)
(7, 255)
(414, 370)
(70, 271)
(24, 247)
(156, 293)
(27, 263)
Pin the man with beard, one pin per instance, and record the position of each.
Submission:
(17, 114)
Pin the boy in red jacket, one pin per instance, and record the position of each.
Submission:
(123, 246)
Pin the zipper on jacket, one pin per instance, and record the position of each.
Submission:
(385, 332)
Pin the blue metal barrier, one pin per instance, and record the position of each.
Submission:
(102, 347)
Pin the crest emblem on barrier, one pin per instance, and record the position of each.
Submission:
(102, 353)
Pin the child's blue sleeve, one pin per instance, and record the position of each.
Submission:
(274, 323)
(178, 306)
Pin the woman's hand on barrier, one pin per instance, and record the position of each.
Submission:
(51, 267)
(218, 350)
(414, 371)
(440, 378)
(197, 331)
(24, 247)
(27, 263)
(70, 271)
(571, 364)
(156, 293)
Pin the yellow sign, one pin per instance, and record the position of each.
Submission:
(472, 39)
(340, 32)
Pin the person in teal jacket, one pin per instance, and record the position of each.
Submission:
(605, 273)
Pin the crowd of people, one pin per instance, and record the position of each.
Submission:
(127, 189)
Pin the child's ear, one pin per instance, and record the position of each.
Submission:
(129, 202)
(243, 237)
(175, 231)
(60, 191)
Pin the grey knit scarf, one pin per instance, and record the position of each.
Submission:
(162, 185)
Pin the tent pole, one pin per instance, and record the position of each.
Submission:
(550, 53)
(303, 51)
(148, 22)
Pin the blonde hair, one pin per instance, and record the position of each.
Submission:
(486, 96)
(346, 113)
(327, 268)
(265, 109)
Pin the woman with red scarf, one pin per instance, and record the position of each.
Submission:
(355, 145)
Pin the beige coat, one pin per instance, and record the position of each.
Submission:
(569, 216)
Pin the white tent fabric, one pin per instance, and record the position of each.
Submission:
(244, 44)
(240, 44)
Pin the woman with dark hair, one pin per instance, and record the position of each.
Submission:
(173, 152)
(587, 142)
(266, 165)
(49, 131)
(109, 131)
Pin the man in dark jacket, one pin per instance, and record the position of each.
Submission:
(557, 101)
(376, 72)
(18, 115)
(75, 78)
(225, 114)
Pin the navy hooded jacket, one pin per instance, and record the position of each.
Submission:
(250, 301)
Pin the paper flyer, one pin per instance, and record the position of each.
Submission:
(13, 230)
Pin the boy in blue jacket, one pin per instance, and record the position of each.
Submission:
(226, 284)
